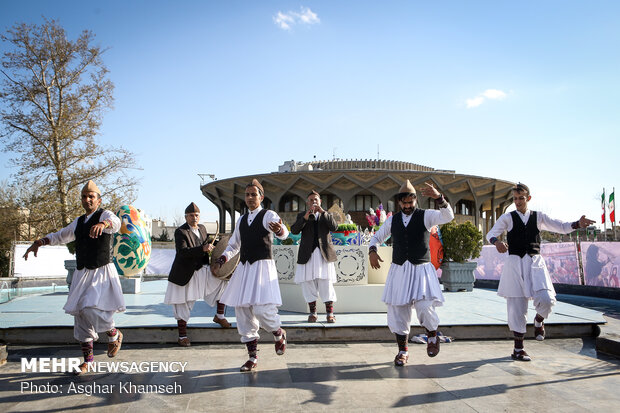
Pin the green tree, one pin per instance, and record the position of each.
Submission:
(461, 242)
(52, 97)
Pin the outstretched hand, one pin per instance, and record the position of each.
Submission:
(33, 248)
(585, 222)
(430, 191)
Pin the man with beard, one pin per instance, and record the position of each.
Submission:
(412, 280)
(315, 271)
(253, 288)
(95, 294)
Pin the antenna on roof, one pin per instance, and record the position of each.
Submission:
(378, 152)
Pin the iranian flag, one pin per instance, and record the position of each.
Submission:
(603, 206)
(612, 208)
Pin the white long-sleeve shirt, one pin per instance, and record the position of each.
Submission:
(432, 217)
(234, 244)
(67, 234)
(543, 222)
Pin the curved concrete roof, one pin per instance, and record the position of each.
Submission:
(345, 179)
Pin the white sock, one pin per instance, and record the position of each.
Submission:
(220, 316)
(111, 339)
(537, 324)
(432, 339)
(406, 353)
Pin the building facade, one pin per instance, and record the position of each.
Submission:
(358, 185)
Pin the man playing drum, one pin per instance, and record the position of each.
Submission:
(189, 278)
(253, 289)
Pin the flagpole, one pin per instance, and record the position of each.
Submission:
(613, 221)
(604, 221)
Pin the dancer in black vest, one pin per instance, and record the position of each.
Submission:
(190, 279)
(315, 270)
(253, 288)
(95, 293)
(412, 280)
(524, 275)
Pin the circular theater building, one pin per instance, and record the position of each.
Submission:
(355, 186)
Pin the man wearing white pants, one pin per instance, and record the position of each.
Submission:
(190, 279)
(95, 294)
(253, 288)
(524, 275)
(412, 280)
(315, 271)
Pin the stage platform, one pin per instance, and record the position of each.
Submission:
(480, 314)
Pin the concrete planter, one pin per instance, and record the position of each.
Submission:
(456, 276)
(70, 265)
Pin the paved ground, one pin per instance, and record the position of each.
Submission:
(468, 375)
(565, 375)
(465, 315)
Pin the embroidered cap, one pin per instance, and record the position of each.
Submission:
(407, 188)
(91, 187)
(192, 208)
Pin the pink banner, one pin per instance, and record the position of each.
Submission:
(561, 260)
(562, 263)
(490, 263)
(600, 263)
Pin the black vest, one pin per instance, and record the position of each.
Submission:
(523, 238)
(90, 252)
(410, 243)
(255, 239)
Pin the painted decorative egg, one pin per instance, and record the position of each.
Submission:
(132, 244)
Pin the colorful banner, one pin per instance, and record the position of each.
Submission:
(600, 263)
(561, 260)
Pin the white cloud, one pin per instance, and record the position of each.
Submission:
(492, 94)
(308, 17)
(287, 20)
(474, 102)
(283, 21)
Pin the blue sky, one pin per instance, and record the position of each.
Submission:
(517, 90)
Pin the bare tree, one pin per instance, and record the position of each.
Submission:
(52, 98)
